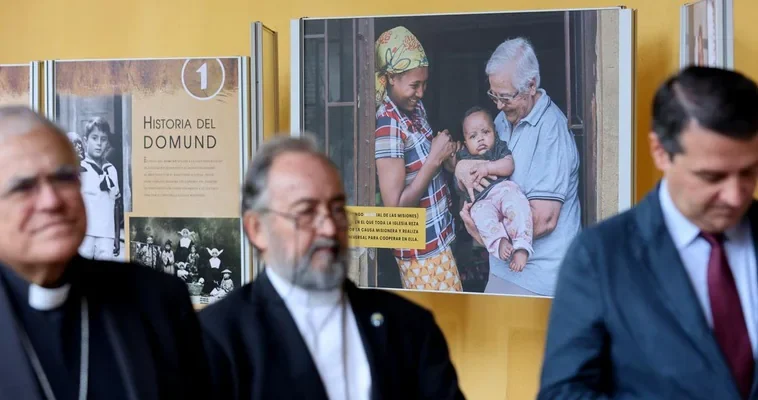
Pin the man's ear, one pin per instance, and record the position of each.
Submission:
(661, 157)
(251, 222)
(532, 88)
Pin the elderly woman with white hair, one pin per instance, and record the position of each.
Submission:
(546, 168)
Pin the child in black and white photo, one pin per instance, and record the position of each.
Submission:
(182, 273)
(167, 258)
(100, 190)
(148, 254)
(192, 259)
(226, 285)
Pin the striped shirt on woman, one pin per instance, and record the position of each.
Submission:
(408, 136)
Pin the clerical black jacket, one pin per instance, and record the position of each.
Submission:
(256, 351)
(145, 337)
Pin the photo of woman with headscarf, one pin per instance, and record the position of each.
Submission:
(410, 158)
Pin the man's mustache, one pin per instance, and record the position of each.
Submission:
(302, 266)
(321, 244)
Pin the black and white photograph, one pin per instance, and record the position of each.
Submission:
(203, 252)
(425, 111)
(98, 127)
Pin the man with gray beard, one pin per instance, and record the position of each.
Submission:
(302, 330)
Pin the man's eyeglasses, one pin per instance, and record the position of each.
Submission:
(313, 219)
(503, 98)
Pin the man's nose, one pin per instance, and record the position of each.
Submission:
(327, 227)
(732, 192)
(47, 197)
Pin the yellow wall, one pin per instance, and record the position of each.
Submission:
(496, 342)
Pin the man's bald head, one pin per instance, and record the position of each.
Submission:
(42, 214)
(21, 120)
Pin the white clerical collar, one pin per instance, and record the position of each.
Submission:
(295, 295)
(45, 299)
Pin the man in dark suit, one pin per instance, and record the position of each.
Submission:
(301, 330)
(72, 328)
(661, 301)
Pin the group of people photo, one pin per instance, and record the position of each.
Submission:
(205, 257)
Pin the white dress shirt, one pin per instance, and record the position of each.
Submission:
(695, 252)
(319, 317)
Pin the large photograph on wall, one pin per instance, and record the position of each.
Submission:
(473, 147)
(19, 84)
(162, 145)
(707, 34)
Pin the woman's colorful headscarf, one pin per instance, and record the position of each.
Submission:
(397, 51)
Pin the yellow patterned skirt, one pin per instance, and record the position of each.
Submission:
(439, 273)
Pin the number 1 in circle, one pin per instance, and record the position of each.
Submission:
(203, 71)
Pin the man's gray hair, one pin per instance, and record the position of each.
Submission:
(20, 120)
(519, 53)
(254, 189)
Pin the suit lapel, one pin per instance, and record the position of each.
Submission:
(374, 337)
(289, 342)
(17, 380)
(661, 259)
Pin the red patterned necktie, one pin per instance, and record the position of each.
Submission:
(729, 325)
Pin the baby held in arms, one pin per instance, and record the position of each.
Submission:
(501, 212)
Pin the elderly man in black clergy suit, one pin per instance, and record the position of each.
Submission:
(301, 330)
(661, 302)
(72, 328)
